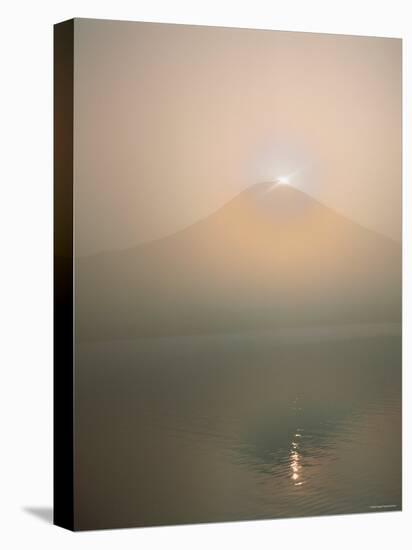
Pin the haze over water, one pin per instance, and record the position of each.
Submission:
(239, 427)
(246, 367)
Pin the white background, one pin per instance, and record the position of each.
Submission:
(26, 272)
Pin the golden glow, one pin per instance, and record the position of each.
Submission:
(353, 147)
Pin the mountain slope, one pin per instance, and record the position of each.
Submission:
(270, 257)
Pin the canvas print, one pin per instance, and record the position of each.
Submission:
(228, 274)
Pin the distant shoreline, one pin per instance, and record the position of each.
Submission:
(278, 337)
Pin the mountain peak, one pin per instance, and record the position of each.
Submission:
(279, 201)
(268, 189)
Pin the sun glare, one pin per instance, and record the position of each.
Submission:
(283, 180)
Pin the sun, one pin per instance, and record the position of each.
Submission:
(282, 180)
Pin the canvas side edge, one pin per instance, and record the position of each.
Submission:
(63, 375)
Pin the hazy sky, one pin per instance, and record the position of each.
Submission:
(172, 121)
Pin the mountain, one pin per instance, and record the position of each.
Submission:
(271, 257)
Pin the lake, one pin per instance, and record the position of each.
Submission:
(297, 422)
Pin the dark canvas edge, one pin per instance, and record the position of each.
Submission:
(63, 353)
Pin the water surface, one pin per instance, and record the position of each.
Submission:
(244, 426)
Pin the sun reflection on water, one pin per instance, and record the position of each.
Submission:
(295, 461)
